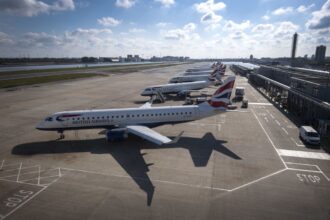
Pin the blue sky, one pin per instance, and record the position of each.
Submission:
(204, 28)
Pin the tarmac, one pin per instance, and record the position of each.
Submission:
(248, 164)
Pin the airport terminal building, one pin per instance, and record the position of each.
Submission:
(303, 92)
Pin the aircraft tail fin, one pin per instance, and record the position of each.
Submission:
(221, 97)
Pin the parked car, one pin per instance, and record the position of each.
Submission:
(309, 135)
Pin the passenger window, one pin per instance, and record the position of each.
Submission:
(122, 116)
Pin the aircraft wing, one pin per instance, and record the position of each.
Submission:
(148, 134)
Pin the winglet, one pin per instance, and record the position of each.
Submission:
(175, 140)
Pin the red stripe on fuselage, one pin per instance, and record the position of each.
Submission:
(218, 104)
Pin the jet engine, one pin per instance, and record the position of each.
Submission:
(116, 134)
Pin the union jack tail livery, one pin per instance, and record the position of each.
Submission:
(221, 97)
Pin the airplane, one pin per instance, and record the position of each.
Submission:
(205, 69)
(139, 121)
(216, 75)
(175, 88)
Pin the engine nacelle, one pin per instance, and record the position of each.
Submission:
(116, 135)
(183, 94)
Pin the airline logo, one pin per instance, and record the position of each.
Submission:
(65, 116)
(222, 96)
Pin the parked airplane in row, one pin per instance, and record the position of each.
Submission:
(213, 76)
(205, 69)
(176, 88)
(138, 121)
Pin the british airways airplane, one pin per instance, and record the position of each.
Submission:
(175, 88)
(139, 121)
(209, 77)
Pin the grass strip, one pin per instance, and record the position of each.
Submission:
(117, 68)
(44, 79)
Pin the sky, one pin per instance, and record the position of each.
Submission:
(194, 28)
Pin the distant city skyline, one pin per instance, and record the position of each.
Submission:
(198, 29)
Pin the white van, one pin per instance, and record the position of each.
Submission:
(309, 135)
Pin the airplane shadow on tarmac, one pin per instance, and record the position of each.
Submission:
(129, 156)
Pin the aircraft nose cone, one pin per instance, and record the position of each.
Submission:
(40, 126)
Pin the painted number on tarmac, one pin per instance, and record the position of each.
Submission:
(308, 178)
(17, 198)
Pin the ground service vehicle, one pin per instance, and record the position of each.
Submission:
(309, 135)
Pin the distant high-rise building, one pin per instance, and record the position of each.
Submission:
(294, 45)
(320, 53)
(251, 57)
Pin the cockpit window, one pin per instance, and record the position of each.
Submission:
(49, 119)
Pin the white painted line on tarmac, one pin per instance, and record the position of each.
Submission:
(313, 171)
(19, 171)
(152, 180)
(219, 127)
(298, 145)
(257, 180)
(323, 173)
(259, 103)
(304, 154)
(278, 123)
(267, 111)
(266, 119)
(23, 168)
(271, 115)
(270, 140)
(304, 164)
(285, 131)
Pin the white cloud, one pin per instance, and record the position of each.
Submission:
(5, 39)
(320, 19)
(211, 18)
(265, 17)
(303, 8)
(162, 24)
(80, 32)
(108, 21)
(136, 30)
(282, 11)
(31, 8)
(166, 3)
(232, 26)
(263, 28)
(125, 3)
(209, 6)
(185, 33)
